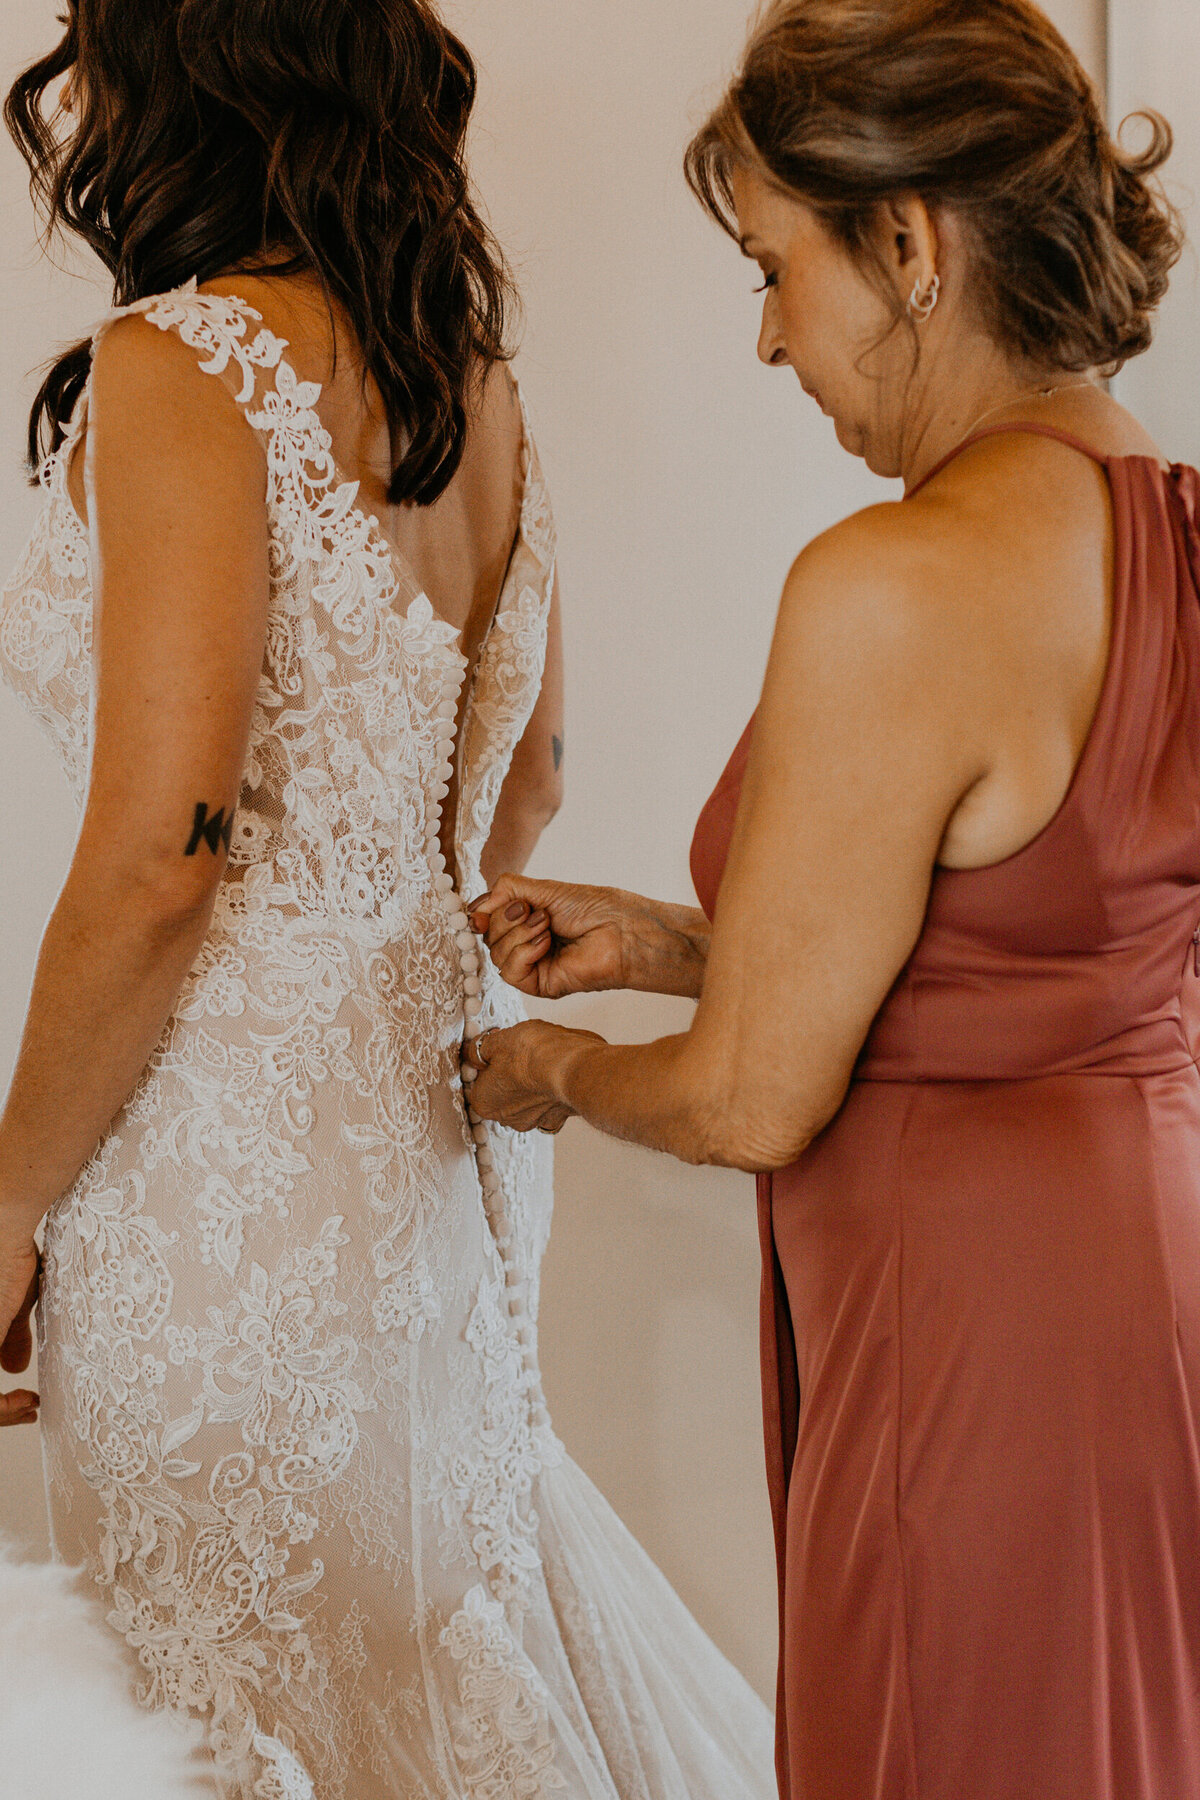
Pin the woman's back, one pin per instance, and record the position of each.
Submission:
(982, 1345)
(1065, 952)
(1018, 534)
(458, 546)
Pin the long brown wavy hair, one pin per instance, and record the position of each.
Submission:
(981, 107)
(212, 136)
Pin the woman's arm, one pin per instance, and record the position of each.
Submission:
(533, 788)
(866, 742)
(178, 545)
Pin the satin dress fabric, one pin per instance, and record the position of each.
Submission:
(981, 1290)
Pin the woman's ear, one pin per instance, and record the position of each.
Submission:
(910, 244)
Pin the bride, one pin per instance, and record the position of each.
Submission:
(289, 614)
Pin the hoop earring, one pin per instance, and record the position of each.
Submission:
(921, 305)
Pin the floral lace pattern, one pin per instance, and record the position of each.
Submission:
(505, 1748)
(292, 1411)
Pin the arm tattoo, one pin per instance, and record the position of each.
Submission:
(213, 832)
(557, 744)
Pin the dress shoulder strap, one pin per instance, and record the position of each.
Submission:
(1017, 425)
(311, 508)
(219, 327)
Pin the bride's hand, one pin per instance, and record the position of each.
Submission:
(20, 1281)
(514, 1076)
(550, 938)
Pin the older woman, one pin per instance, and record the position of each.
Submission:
(946, 1006)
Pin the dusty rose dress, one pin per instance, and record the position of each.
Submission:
(981, 1305)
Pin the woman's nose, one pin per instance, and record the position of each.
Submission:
(771, 348)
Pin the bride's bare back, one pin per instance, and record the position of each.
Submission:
(458, 549)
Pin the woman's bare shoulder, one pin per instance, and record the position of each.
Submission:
(991, 511)
(159, 421)
(877, 568)
(278, 296)
(292, 308)
(1001, 456)
(896, 600)
(1097, 418)
(141, 371)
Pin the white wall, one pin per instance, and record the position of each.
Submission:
(686, 479)
(1085, 24)
(1154, 60)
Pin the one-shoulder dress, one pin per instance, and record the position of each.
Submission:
(981, 1298)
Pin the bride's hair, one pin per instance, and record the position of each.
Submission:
(982, 108)
(284, 135)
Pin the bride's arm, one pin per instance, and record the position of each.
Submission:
(533, 788)
(178, 550)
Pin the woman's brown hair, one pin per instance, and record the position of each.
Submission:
(975, 105)
(322, 135)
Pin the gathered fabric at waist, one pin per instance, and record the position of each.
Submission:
(982, 1050)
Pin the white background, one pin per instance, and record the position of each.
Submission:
(686, 479)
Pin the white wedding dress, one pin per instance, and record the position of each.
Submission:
(292, 1416)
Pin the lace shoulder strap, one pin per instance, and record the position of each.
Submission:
(313, 512)
(219, 327)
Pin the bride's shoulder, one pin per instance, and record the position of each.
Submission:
(151, 398)
(182, 327)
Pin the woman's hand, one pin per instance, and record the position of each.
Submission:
(515, 1077)
(551, 938)
(20, 1281)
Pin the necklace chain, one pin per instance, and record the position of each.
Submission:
(1065, 387)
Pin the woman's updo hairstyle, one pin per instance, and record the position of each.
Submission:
(976, 105)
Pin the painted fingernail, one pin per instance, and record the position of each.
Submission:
(516, 911)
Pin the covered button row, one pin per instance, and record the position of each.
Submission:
(471, 966)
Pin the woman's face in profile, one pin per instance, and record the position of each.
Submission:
(823, 318)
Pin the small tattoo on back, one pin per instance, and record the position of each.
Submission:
(214, 832)
(557, 744)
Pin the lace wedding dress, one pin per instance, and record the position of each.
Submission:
(291, 1407)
